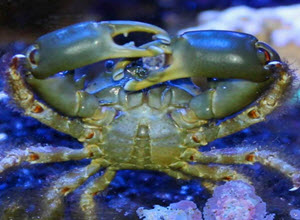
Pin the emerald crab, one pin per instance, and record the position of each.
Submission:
(136, 114)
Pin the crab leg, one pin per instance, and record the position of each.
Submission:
(68, 183)
(24, 98)
(248, 117)
(244, 156)
(87, 202)
(61, 93)
(220, 156)
(207, 183)
(214, 173)
(270, 159)
(86, 43)
(46, 154)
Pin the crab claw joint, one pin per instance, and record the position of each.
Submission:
(86, 43)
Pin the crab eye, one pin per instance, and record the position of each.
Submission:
(33, 55)
(264, 55)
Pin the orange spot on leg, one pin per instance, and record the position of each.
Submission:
(253, 114)
(192, 158)
(90, 135)
(33, 157)
(196, 139)
(95, 193)
(37, 109)
(227, 178)
(65, 190)
(250, 157)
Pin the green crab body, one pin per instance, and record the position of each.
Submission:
(135, 135)
(130, 116)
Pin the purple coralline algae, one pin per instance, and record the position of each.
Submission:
(295, 214)
(235, 200)
(183, 210)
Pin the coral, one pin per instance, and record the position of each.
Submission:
(183, 210)
(235, 200)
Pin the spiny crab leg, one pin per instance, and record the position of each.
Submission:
(244, 156)
(69, 182)
(99, 184)
(86, 43)
(271, 159)
(24, 98)
(71, 102)
(254, 114)
(214, 173)
(46, 154)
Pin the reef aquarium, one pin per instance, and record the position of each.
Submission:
(154, 110)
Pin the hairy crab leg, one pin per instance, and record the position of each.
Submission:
(68, 183)
(271, 159)
(63, 94)
(214, 173)
(46, 154)
(87, 202)
(24, 98)
(221, 156)
(244, 156)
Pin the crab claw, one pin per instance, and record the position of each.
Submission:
(86, 43)
(215, 54)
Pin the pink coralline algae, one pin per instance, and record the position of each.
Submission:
(235, 200)
(183, 210)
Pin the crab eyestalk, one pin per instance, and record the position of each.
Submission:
(86, 43)
(214, 54)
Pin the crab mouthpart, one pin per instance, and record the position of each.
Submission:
(141, 68)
